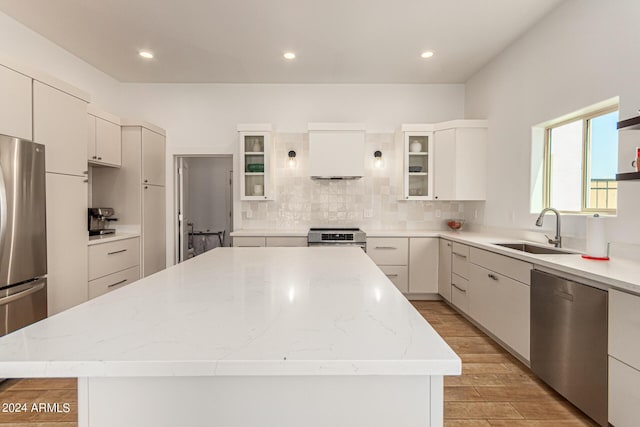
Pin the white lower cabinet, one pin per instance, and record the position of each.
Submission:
(249, 242)
(398, 276)
(113, 281)
(444, 269)
(294, 241)
(66, 241)
(501, 305)
(624, 359)
(110, 257)
(388, 250)
(423, 265)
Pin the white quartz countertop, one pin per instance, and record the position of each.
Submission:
(97, 240)
(617, 272)
(269, 233)
(239, 311)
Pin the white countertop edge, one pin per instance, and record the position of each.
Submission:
(145, 368)
(111, 238)
(269, 233)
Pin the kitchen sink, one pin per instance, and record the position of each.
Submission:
(534, 249)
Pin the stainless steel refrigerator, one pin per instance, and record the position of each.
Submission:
(23, 237)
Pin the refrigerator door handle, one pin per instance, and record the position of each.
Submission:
(3, 205)
(32, 290)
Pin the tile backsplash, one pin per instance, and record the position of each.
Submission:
(372, 202)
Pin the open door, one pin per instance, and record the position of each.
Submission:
(185, 224)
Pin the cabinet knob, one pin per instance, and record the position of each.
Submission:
(146, 186)
(85, 180)
(146, 180)
(86, 172)
(99, 158)
(436, 197)
(94, 157)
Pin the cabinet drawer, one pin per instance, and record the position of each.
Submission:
(460, 282)
(624, 327)
(510, 267)
(286, 241)
(388, 250)
(624, 394)
(249, 242)
(113, 281)
(111, 257)
(398, 275)
(460, 264)
(459, 298)
(460, 249)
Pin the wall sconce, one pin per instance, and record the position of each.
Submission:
(378, 162)
(292, 159)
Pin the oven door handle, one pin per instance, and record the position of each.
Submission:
(32, 290)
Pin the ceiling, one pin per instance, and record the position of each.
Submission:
(242, 41)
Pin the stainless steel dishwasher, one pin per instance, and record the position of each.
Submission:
(569, 341)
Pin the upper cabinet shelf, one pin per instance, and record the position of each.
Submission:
(631, 124)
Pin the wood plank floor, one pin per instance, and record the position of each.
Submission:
(494, 390)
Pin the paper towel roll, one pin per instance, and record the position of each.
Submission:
(596, 240)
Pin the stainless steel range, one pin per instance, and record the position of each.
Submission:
(337, 236)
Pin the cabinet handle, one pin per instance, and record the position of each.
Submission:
(449, 244)
(461, 290)
(99, 158)
(146, 180)
(146, 186)
(94, 157)
(244, 246)
(460, 255)
(117, 252)
(436, 197)
(386, 247)
(492, 276)
(391, 275)
(117, 283)
(85, 180)
(85, 172)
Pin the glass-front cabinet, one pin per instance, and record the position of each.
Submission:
(417, 168)
(255, 162)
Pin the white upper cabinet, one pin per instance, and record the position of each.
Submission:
(104, 139)
(153, 157)
(15, 104)
(255, 162)
(460, 160)
(417, 164)
(59, 122)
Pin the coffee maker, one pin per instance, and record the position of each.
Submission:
(99, 219)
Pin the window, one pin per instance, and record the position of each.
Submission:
(581, 159)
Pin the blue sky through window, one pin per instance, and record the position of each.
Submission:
(604, 146)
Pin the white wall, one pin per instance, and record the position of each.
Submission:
(30, 48)
(583, 52)
(202, 118)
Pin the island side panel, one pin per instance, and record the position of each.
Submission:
(290, 401)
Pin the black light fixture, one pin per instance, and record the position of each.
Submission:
(378, 163)
(292, 159)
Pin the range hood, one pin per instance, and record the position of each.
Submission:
(336, 150)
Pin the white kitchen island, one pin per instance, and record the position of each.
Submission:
(246, 337)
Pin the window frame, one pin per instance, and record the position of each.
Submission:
(586, 159)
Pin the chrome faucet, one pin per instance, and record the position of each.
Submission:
(557, 241)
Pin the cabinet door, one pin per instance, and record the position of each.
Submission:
(444, 269)
(388, 250)
(398, 276)
(471, 163)
(91, 138)
(60, 123)
(444, 165)
(153, 157)
(109, 144)
(423, 265)
(153, 229)
(67, 238)
(15, 104)
(286, 241)
(501, 305)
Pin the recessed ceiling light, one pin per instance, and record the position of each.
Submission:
(146, 54)
(289, 55)
(427, 54)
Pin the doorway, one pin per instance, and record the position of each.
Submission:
(204, 204)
